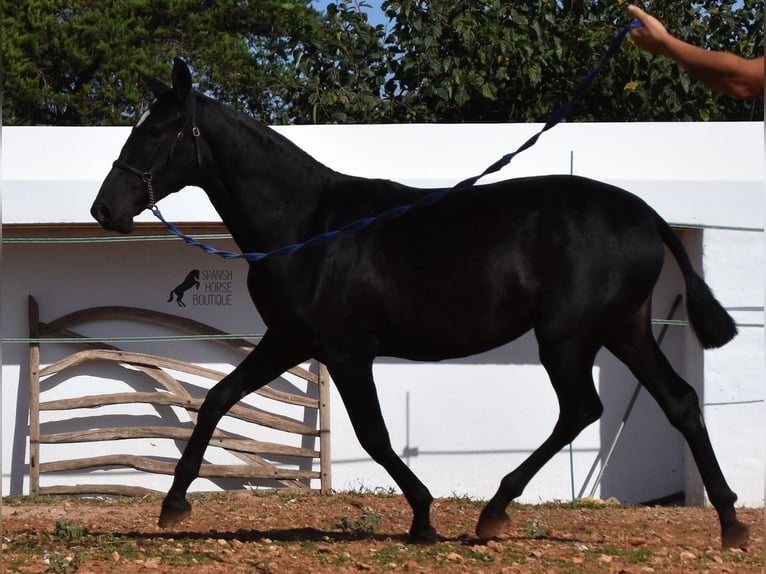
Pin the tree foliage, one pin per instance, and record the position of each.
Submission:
(493, 60)
(73, 63)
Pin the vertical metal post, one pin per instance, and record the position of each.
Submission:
(632, 402)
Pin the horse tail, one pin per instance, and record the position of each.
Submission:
(711, 323)
(171, 296)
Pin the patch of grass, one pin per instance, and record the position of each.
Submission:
(343, 559)
(514, 555)
(464, 502)
(629, 555)
(587, 503)
(66, 563)
(740, 557)
(596, 503)
(366, 524)
(391, 554)
(535, 529)
(186, 556)
(362, 489)
(198, 496)
(56, 499)
(68, 531)
(125, 547)
(59, 555)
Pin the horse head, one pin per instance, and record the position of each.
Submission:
(160, 157)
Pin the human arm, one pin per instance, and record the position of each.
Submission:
(728, 73)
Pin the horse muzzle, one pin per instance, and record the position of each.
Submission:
(105, 218)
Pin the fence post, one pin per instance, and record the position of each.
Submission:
(34, 396)
(325, 452)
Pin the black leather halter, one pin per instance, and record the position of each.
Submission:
(191, 121)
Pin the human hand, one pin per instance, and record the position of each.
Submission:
(651, 35)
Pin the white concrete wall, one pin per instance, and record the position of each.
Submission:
(473, 420)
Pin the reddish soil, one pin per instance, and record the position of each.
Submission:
(284, 532)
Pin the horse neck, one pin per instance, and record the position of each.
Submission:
(263, 186)
(270, 193)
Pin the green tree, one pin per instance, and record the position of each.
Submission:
(73, 63)
(499, 61)
(342, 70)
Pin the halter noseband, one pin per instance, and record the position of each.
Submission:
(146, 176)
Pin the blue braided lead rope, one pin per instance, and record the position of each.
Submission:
(320, 239)
(430, 199)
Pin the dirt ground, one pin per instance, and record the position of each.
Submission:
(303, 532)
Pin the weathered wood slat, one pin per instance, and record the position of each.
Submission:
(59, 328)
(248, 414)
(154, 361)
(303, 374)
(158, 375)
(175, 433)
(95, 401)
(148, 465)
(45, 331)
(132, 359)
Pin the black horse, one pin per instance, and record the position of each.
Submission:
(574, 259)
(191, 280)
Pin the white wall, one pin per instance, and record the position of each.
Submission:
(474, 420)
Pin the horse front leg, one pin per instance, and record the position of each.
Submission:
(355, 384)
(266, 362)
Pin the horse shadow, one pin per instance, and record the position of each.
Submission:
(310, 534)
(306, 534)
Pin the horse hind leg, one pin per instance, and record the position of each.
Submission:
(680, 403)
(569, 366)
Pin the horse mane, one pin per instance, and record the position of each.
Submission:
(261, 130)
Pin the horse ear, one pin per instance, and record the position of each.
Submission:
(182, 81)
(156, 86)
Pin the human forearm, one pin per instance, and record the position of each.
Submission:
(729, 74)
(734, 76)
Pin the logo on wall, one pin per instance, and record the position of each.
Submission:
(212, 287)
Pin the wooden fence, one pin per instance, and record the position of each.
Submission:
(257, 456)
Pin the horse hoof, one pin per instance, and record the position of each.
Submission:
(424, 536)
(173, 513)
(491, 524)
(735, 536)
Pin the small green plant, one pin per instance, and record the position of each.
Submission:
(59, 563)
(68, 530)
(465, 499)
(629, 555)
(367, 523)
(536, 530)
(362, 489)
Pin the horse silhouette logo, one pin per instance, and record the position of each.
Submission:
(192, 280)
